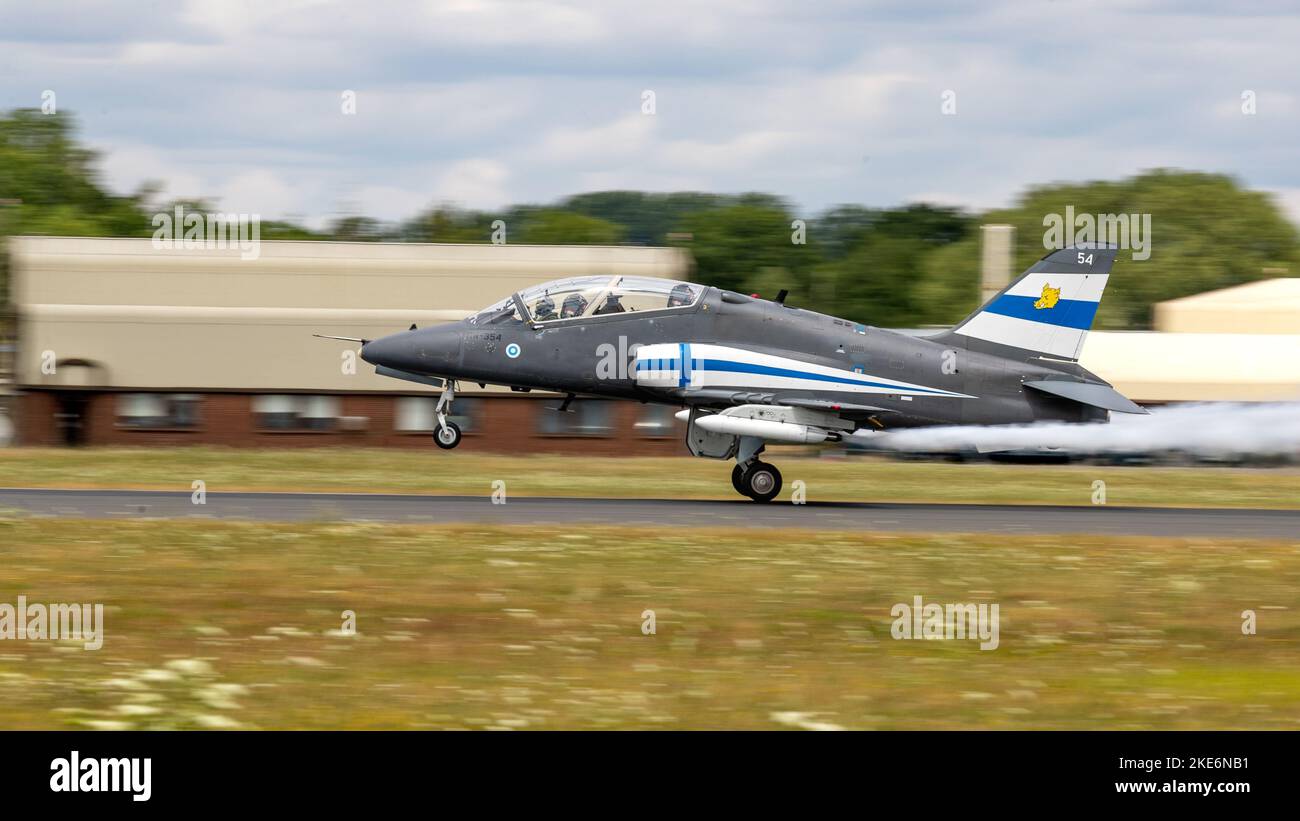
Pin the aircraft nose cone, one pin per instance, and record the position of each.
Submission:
(427, 350)
(379, 351)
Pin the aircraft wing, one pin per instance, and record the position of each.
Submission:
(723, 397)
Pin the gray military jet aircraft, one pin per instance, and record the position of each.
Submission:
(749, 371)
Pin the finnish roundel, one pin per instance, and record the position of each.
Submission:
(512, 350)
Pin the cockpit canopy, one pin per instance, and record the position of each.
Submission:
(580, 297)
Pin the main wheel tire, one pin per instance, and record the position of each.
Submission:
(448, 437)
(762, 482)
(737, 480)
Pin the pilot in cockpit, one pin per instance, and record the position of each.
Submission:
(544, 309)
(681, 295)
(574, 305)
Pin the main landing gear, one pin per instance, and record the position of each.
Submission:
(447, 434)
(757, 480)
(750, 477)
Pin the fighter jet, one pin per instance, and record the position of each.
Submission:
(748, 371)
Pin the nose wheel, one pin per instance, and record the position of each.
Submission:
(447, 434)
(757, 480)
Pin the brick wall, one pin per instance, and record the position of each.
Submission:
(506, 424)
(34, 420)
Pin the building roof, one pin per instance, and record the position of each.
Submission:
(1268, 306)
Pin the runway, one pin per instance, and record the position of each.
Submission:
(413, 509)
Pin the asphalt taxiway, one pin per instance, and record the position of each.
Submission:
(865, 516)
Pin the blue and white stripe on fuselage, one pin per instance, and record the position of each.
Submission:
(692, 365)
(1044, 312)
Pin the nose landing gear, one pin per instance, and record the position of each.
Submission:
(757, 480)
(447, 434)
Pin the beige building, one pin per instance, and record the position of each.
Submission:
(1156, 367)
(208, 319)
(122, 342)
(1234, 344)
(1268, 306)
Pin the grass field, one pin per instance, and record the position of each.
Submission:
(237, 625)
(826, 479)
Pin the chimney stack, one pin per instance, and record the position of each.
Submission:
(997, 250)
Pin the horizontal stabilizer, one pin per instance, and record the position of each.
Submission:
(1088, 393)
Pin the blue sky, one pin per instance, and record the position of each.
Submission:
(485, 103)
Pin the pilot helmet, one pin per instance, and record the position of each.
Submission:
(544, 307)
(574, 305)
(681, 295)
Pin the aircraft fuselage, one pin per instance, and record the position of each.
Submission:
(925, 382)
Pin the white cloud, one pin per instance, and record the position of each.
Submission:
(129, 166)
(474, 183)
(622, 140)
(513, 23)
(1289, 199)
(387, 202)
(486, 102)
(742, 153)
(263, 191)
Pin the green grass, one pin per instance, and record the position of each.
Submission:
(232, 624)
(428, 470)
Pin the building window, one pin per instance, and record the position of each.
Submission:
(158, 410)
(654, 421)
(295, 412)
(415, 414)
(585, 417)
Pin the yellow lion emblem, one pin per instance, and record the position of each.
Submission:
(1049, 297)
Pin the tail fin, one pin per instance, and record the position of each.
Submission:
(1050, 308)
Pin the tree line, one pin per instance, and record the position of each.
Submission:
(907, 266)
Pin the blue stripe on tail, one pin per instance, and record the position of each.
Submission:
(1067, 313)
